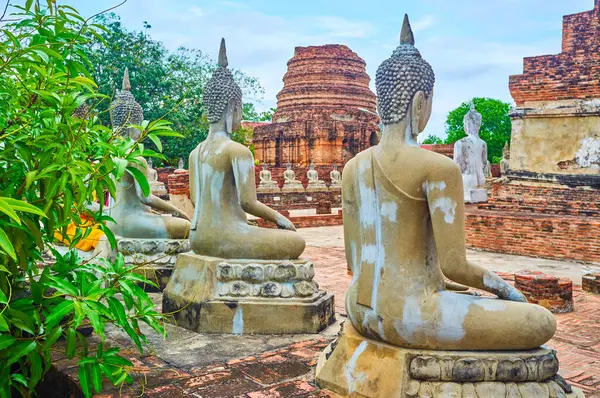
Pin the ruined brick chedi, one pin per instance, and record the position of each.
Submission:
(325, 111)
(556, 125)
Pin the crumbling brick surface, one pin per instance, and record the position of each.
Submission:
(546, 290)
(572, 74)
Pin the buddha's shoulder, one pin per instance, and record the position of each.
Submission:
(235, 149)
(439, 165)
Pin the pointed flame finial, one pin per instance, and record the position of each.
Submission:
(407, 37)
(126, 82)
(223, 55)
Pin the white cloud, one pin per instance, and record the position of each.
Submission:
(341, 27)
(197, 11)
(424, 23)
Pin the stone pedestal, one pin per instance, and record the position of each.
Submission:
(359, 367)
(215, 295)
(293, 188)
(546, 290)
(476, 195)
(316, 186)
(157, 257)
(591, 283)
(268, 188)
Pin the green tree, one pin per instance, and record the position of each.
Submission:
(432, 140)
(250, 114)
(495, 128)
(53, 165)
(161, 80)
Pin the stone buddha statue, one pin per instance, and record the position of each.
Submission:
(504, 163)
(408, 335)
(289, 180)
(404, 230)
(313, 178)
(156, 187)
(266, 179)
(470, 153)
(132, 210)
(222, 185)
(336, 177)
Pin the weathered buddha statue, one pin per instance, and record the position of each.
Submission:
(289, 180)
(156, 187)
(404, 230)
(336, 177)
(504, 163)
(222, 185)
(470, 153)
(131, 209)
(266, 179)
(313, 178)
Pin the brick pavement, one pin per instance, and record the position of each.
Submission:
(289, 371)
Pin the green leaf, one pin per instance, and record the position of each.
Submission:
(121, 167)
(97, 377)
(6, 245)
(84, 380)
(36, 369)
(71, 343)
(141, 179)
(3, 324)
(19, 350)
(7, 209)
(52, 338)
(62, 286)
(6, 341)
(58, 313)
(156, 142)
(19, 378)
(3, 298)
(25, 207)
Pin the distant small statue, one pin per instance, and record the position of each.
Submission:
(336, 177)
(470, 154)
(180, 165)
(156, 187)
(290, 182)
(266, 179)
(313, 178)
(505, 159)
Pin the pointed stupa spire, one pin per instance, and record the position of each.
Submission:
(126, 82)
(406, 36)
(223, 55)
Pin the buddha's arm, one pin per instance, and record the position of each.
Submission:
(245, 181)
(193, 175)
(351, 227)
(160, 205)
(447, 209)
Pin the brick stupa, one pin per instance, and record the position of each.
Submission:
(325, 112)
(549, 204)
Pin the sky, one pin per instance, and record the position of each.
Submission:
(472, 45)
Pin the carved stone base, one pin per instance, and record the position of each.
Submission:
(157, 257)
(214, 295)
(359, 367)
(476, 195)
(317, 187)
(270, 188)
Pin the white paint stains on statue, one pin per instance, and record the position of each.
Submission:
(447, 206)
(390, 210)
(238, 321)
(352, 376)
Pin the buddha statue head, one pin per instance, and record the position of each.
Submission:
(404, 84)
(472, 121)
(223, 96)
(150, 163)
(265, 166)
(335, 166)
(126, 111)
(312, 165)
(289, 166)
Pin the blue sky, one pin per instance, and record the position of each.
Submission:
(473, 45)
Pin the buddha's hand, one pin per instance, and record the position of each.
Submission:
(180, 214)
(516, 295)
(284, 223)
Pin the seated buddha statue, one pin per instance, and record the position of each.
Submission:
(266, 179)
(131, 209)
(156, 187)
(404, 227)
(313, 178)
(504, 163)
(222, 185)
(289, 179)
(470, 153)
(336, 177)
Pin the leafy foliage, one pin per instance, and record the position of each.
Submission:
(432, 140)
(250, 114)
(160, 80)
(495, 128)
(53, 166)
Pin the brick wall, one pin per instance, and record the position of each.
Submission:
(300, 200)
(537, 235)
(321, 220)
(164, 173)
(179, 183)
(572, 74)
(442, 149)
